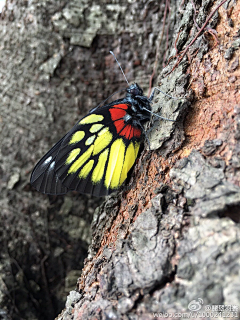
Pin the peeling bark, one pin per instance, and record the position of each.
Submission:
(171, 236)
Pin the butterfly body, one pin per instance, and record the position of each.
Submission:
(95, 156)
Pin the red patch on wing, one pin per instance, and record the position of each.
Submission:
(119, 124)
(121, 106)
(129, 132)
(137, 132)
(118, 112)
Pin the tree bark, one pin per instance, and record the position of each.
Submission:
(169, 241)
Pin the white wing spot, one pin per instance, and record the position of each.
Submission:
(52, 165)
(48, 160)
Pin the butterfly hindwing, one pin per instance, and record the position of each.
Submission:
(96, 155)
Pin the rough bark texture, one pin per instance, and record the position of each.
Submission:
(171, 236)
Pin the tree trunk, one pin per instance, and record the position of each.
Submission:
(169, 241)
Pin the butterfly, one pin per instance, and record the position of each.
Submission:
(96, 155)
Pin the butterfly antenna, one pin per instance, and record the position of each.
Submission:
(120, 67)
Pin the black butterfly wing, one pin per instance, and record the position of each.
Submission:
(44, 178)
(94, 157)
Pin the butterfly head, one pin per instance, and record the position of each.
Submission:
(134, 90)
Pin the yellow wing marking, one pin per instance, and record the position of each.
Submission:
(102, 141)
(98, 171)
(81, 160)
(96, 127)
(115, 164)
(77, 136)
(72, 155)
(86, 169)
(90, 140)
(92, 118)
(130, 157)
